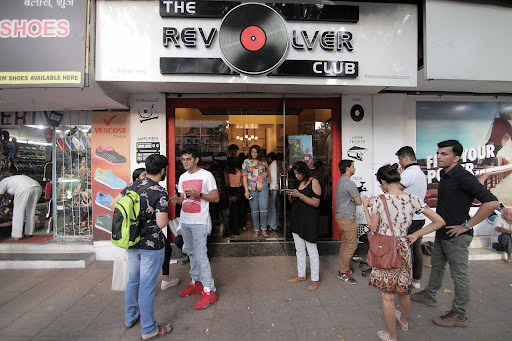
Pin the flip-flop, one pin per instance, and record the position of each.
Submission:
(256, 234)
(264, 233)
(162, 331)
(404, 326)
(133, 323)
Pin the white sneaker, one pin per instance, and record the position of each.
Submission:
(416, 284)
(169, 284)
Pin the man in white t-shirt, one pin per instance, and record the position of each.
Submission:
(26, 192)
(501, 237)
(197, 189)
(413, 181)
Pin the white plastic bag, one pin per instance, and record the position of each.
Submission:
(120, 273)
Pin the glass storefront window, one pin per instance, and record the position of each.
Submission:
(73, 183)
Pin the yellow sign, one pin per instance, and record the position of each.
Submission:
(46, 77)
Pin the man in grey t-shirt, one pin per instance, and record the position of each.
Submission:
(347, 198)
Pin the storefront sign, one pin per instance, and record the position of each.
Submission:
(264, 43)
(148, 125)
(42, 43)
(357, 133)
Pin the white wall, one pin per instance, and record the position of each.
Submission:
(467, 41)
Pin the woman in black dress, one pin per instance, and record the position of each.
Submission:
(304, 221)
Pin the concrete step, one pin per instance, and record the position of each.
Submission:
(486, 254)
(46, 260)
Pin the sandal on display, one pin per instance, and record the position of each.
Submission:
(162, 331)
(404, 326)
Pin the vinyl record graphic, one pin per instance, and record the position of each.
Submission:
(253, 38)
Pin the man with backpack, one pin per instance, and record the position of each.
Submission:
(197, 189)
(145, 258)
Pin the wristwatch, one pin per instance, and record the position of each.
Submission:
(465, 225)
(200, 195)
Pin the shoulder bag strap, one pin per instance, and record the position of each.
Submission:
(384, 201)
(139, 192)
(143, 188)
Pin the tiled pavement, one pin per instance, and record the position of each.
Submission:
(255, 303)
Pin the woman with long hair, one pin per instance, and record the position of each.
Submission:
(304, 222)
(254, 172)
(235, 195)
(402, 207)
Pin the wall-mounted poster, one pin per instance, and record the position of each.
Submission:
(483, 128)
(301, 149)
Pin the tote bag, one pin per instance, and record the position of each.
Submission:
(120, 273)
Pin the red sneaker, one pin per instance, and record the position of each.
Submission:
(192, 289)
(206, 300)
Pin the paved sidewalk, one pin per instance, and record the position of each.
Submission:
(255, 303)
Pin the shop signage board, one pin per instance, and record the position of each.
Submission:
(42, 43)
(257, 42)
(148, 126)
(357, 142)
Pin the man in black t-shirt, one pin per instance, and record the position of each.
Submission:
(146, 258)
(456, 192)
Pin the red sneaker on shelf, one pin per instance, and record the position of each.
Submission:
(206, 300)
(192, 289)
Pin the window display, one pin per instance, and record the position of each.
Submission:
(73, 183)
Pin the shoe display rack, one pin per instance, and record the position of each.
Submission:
(73, 184)
(31, 160)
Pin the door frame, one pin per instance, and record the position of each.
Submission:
(333, 103)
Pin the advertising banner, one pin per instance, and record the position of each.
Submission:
(301, 149)
(483, 128)
(42, 43)
(148, 126)
(110, 166)
(357, 141)
(263, 43)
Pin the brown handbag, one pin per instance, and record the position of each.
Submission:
(384, 253)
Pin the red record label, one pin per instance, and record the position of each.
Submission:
(253, 38)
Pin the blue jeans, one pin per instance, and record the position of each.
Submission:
(259, 206)
(273, 212)
(140, 290)
(194, 236)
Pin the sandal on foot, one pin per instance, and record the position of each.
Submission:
(162, 331)
(133, 323)
(384, 336)
(256, 234)
(404, 326)
(296, 279)
(264, 233)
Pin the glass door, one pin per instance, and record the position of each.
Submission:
(308, 138)
(225, 131)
